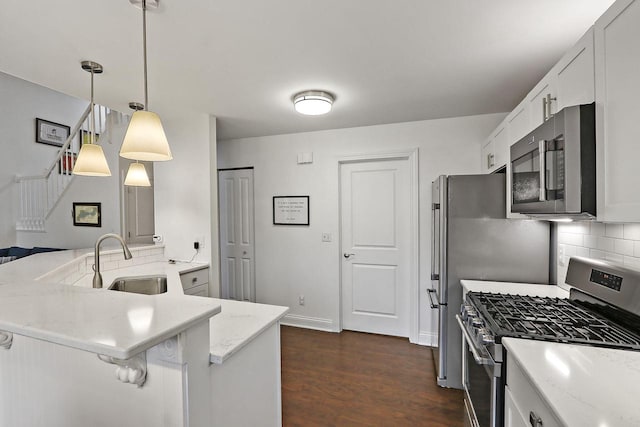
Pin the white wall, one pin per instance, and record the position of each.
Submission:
(184, 209)
(619, 243)
(293, 261)
(20, 103)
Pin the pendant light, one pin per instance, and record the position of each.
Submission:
(145, 138)
(91, 160)
(137, 174)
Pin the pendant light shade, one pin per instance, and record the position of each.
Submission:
(145, 139)
(91, 161)
(137, 176)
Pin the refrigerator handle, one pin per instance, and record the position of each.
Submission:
(433, 304)
(435, 211)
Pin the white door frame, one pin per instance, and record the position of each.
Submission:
(414, 236)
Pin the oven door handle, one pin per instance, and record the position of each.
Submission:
(476, 354)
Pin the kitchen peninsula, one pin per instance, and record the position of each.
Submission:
(180, 360)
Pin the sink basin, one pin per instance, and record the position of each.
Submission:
(147, 285)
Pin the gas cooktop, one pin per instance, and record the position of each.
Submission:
(553, 319)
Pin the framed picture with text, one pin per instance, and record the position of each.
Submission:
(291, 210)
(51, 133)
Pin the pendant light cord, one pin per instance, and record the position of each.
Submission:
(144, 50)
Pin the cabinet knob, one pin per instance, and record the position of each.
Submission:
(194, 280)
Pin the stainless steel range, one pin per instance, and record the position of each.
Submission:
(603, 310)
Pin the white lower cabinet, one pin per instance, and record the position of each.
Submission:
(512, 415)
(523, 404)
(196, 282)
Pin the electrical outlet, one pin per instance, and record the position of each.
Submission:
(561, 255)
(326, 237)
(301, 300)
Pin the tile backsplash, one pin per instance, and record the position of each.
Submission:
(619, 243)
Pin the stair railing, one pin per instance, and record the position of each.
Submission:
(40, 194)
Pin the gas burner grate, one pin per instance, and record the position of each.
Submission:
(550, 319)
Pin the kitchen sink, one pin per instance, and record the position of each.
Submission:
(147, 285)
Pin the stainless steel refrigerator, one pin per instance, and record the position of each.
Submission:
(472, 239)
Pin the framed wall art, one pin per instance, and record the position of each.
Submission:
(51, 133)
(87, 214)
(291, 210)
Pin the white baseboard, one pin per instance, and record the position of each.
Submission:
(427, 338)
(308, 322)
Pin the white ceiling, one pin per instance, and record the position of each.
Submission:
(385, 60)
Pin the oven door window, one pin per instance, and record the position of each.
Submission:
(478, 387)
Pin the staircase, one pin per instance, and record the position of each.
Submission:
(40, 194)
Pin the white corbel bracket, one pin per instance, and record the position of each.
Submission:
(133, 370)
(6, 339)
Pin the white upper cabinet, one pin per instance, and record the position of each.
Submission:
(575, 76)
(518, 124)
(617, 93)
(487, 156)
(542, 101)
(494, 151)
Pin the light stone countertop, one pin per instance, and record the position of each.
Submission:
(120, 324)
(512, 288)
(116, 324)
(238, 324)
(584, 386)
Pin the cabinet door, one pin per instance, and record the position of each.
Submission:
(617, 59)
(512, 415)
(537, 98)
(575, 74)
(487, 157)
(518, 123)
(501, 148)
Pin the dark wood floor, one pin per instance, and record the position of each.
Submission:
(356, 379)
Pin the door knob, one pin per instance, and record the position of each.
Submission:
(347, 256)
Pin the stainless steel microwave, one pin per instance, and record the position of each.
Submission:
(553, 168)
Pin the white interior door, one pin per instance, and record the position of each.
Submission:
(375, 244)
(237, 266)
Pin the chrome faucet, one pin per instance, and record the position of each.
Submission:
(97, 277)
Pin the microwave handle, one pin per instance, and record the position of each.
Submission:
(543, 184)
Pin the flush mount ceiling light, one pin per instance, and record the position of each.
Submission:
(313, 102)
(145, 138)
(91, 160)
